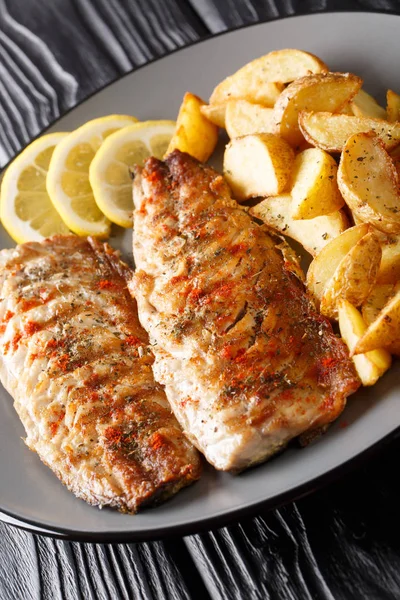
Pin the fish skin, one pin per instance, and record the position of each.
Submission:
(246, 360)
(77, 363)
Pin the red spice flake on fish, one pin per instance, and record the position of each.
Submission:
(62, 362)
(238, 248)
(113, 435)
(31, 327)
(106, 284)
(157, 441)
(15, 341)
(131, 340)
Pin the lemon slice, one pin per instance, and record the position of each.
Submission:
(68, 178)
(26, 210)
(109, 170)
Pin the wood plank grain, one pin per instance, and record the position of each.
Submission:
(19, 572)
(341, 542)
(51, 59)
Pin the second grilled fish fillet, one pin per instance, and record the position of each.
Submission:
(246, 361)
(76, 361)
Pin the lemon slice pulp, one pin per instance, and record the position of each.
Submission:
(109, 170)
(26, 210)
(68, 178)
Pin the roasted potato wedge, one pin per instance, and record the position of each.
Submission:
(369, 182)
(369, 366)
(354, 277)
(244, 118)
(324, 265)
(288, 64)
(194, 134)
(365, 105)
(262, 79)
(246, 85)
(258, 165)
(323, 91)
(384, 332)
(314, 190)
(280, 66)
(214, 113)
(312, 234)
(330, 132)
(389, 271)
(392, 106)
(379, 296)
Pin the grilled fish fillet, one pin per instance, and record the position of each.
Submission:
(76, 361)
(246, 361)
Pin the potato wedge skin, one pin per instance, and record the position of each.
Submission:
(365, 105)
(315, 190)
(215, 113)
(376, 300)
(320, 92)
(384, 332)
(245, 118)
(392, 106)
(324, 265)
(257, 165)
(369, 182)
(330, 132)
(369, 366)
(194, 134)
(354, 277)
(312, 234)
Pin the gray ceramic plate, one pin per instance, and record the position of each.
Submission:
(30, 493)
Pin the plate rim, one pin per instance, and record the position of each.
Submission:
(202, 525)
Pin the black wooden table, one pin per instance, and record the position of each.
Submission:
(342, 542)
